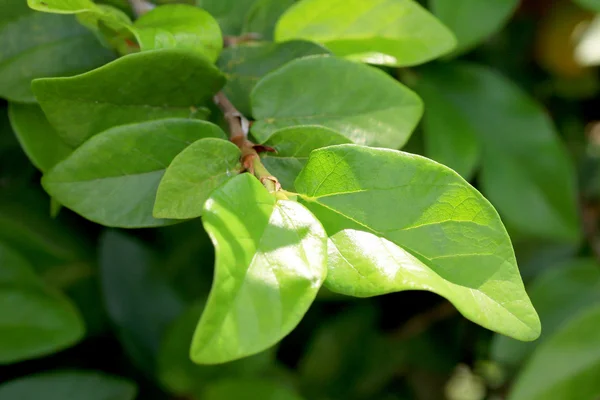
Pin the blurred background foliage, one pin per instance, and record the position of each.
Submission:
(118, 308)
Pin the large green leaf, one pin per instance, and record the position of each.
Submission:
(402, 222)
(387, 32)
(68, 385)
(473, 21)
(293, 146)
(534, 194)
(263, 16)
(230, 14)
(181, 83)
(567, 365)
(180, 26)
(193, 175)
(34, 45)
(245, 65)
(361, 102)
(34, 320)
(557, 295)
(138, 298)
(249, 389)
(38, 138)
(112, 178)
(270, 264)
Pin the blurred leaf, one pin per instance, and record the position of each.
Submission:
(140, 303)
(64, 385)
(34, 45)
(448, 239)
(181, 376)
(37, 137)
(293, 146)
(138, 87)
(34, 320)
(526, 172)
(386, 32)
(192, 176)
(270, 263)
(249, 390)
(593, 5)
(361, 102)
(557, 295)
(229, 13)
(263, 16)
(179, 26)
(245, 65)
(473, 21)
(113, 177)
(567, 365)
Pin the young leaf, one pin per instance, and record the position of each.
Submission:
(521, 150)
(139, 301)
(35, 45)
(245, 65)
(113, 177)
(293, 146)
(193, 175)
(361, 102)
(119, 93)
(263, 16)
(229, 13)
(386, 32)
(180, 26)
(567, 365)
(37, 137)
(34, 320)
(270, 264)
(473, 21)
(68, 385)
(557, 295)
(446, 238)
(249, 389)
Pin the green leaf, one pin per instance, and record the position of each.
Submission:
(245, 65)
(180, 26)
(139, 301)
(249, 389)
(37, 137)
(34, 45)
(557, 295)
(182, 377)
(263, 16)
(119, 93)
(68, 385)
(270, 264)
(112, 178)
(372, 109)
(386, 32)
(34, 320)
(473, 21)
(445, 237)
(592, 5)
(193, 175)
(293, 146)
(62, 6)
(229, 13)
(567, 365)
(534, 194)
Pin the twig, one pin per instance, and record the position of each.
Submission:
(230, 41)
(140, 7)
(421, 322)
(590, 215)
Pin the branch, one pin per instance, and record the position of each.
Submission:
(230, 41)
(421, 322)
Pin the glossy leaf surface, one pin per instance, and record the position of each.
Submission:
(387, 32)
(361, 102)
(118, 93)
(444, 237)
(112, 178)
(270, 264)
(193, 175)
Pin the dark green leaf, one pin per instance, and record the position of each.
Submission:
(361, 102)
(526, 172)
(263, 16)
(140, 303)
(193, 175)
(270, 264)
(138, 87)
(249, 389)
(68, 385)
(445, 237)
(293, 146)
(387, 32)
(593, 5)
(229, 13)
(112, 179)
(245, 65)
(34, 45)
